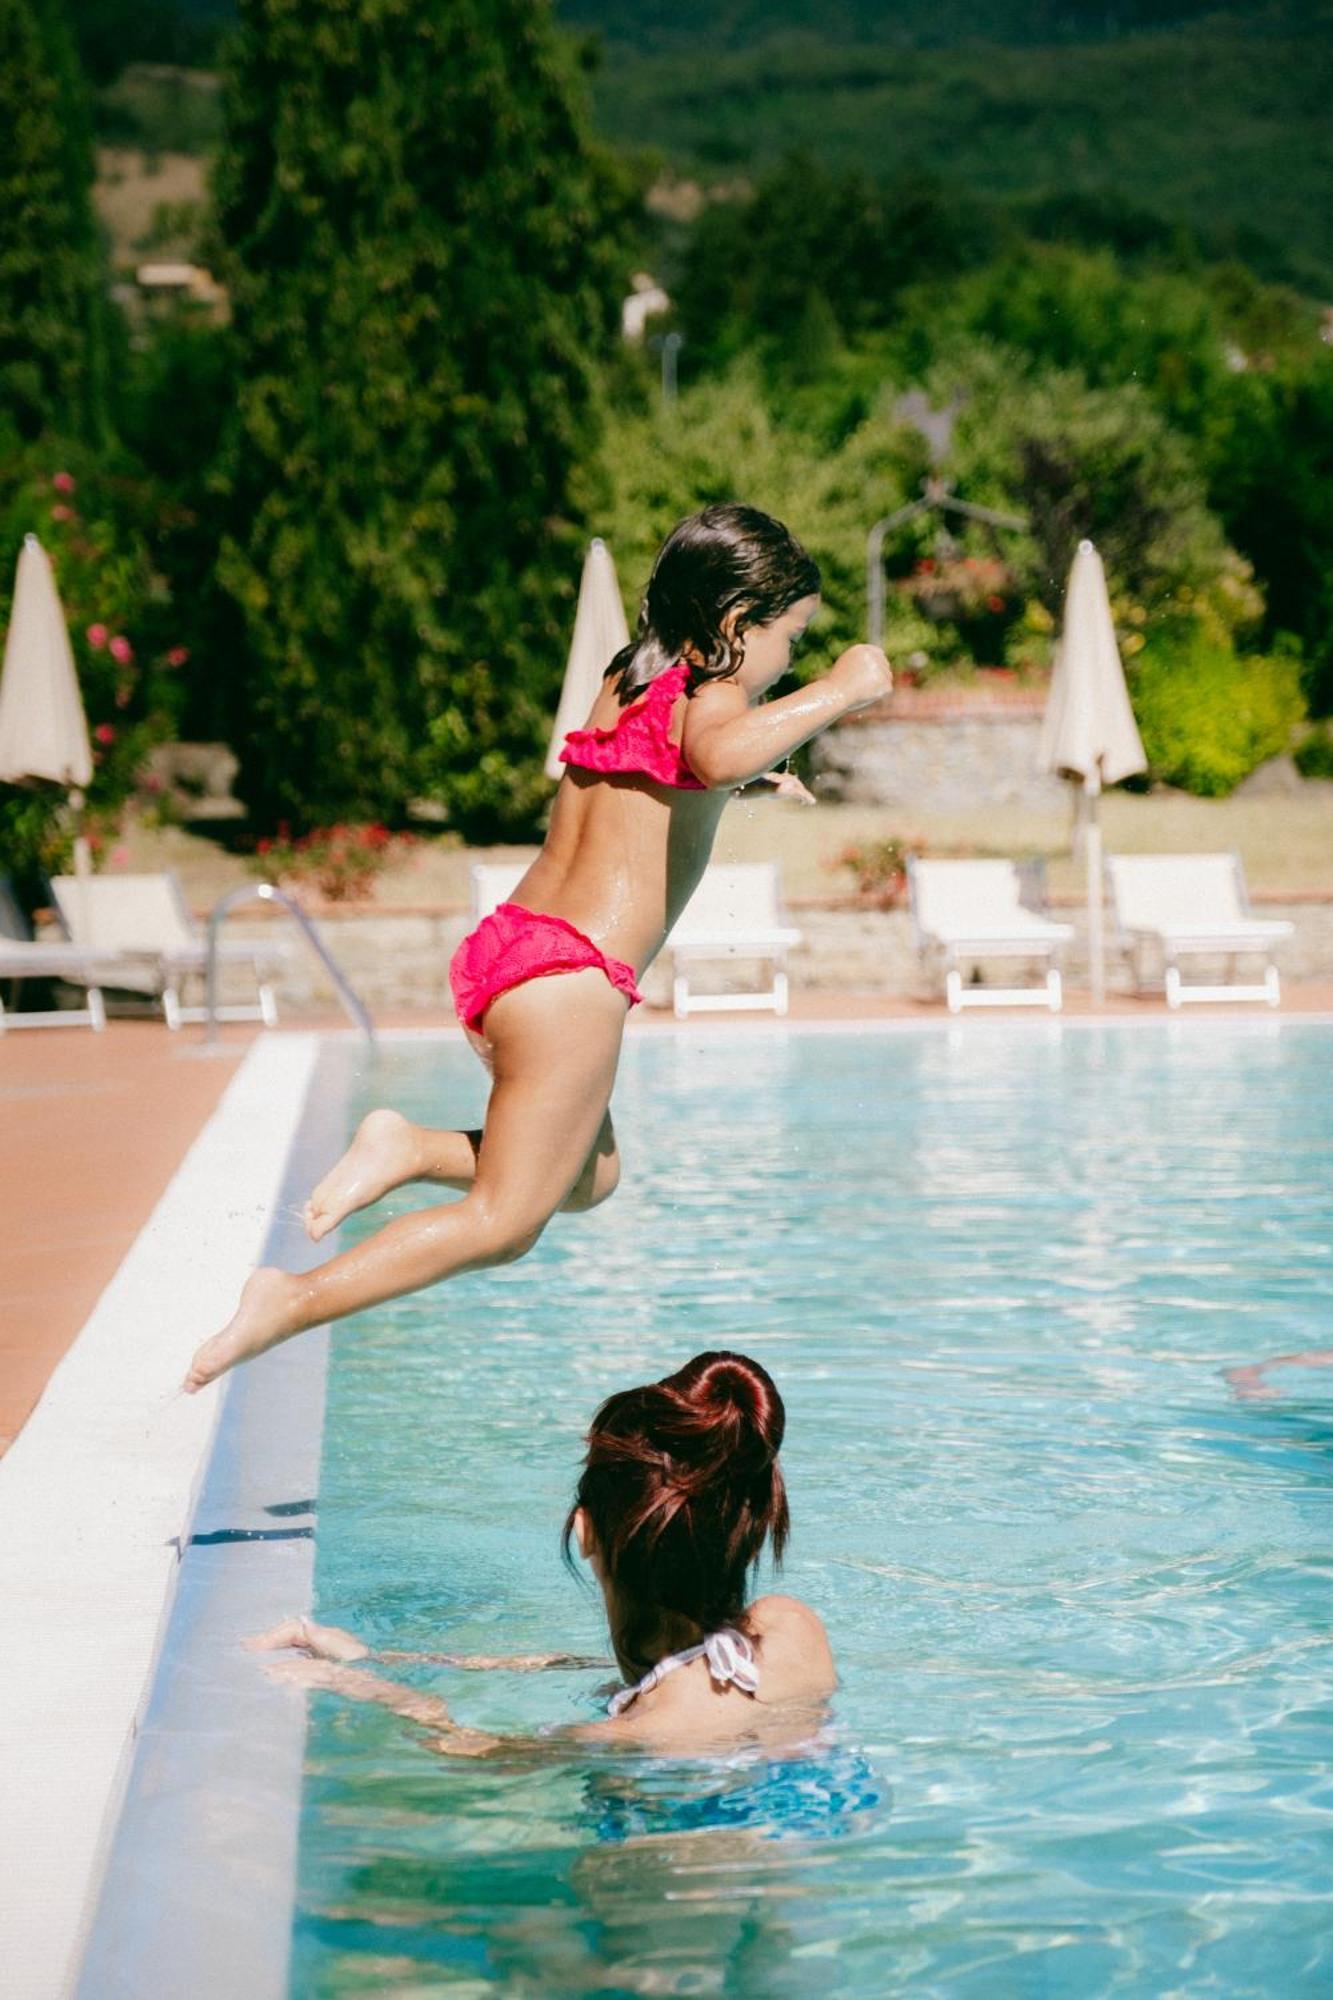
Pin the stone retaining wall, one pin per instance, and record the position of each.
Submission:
(398, 961)
(939, 751)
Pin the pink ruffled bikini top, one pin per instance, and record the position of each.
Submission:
(640, 738)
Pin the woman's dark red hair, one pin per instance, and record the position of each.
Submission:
(682, 1488)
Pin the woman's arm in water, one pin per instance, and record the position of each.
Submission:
(359, 1684)
(1251, 1382)
(447, 1737)
(728, 743)
(330, 1642)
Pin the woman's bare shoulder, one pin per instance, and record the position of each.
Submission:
(792, 1639)
(778, 1612)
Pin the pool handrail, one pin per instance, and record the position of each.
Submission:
(269, 892)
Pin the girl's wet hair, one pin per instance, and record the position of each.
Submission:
(727, 558)
(682, 1488)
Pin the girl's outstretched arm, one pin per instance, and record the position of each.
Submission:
(727, 743)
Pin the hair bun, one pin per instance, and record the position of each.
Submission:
(738, 1400)
(729, 1381)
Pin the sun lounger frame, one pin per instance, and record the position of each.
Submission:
(1018, 933)
(24, 957)
(171, 949)
(735, 912)
(1231, 937)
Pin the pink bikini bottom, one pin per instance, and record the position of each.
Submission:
(513, 945)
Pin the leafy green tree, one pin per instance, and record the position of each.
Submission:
(1180, 335)
(1268, 449)
(1098, 462)
(427, 253)
(723, 440)
(53, 315)
(751, 266)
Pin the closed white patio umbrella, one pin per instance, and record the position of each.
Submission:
(1088, 731)
(599, 633)
(43, 729)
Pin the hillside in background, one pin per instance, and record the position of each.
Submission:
(1223, 127)
(649, 26)
(1217, 121)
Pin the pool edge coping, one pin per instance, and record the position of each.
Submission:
(108, 1471)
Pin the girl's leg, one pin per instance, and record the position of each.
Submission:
(556, 1042)
(389, 1151)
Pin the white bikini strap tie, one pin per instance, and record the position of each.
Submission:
(731, 1660)
(731, 1663)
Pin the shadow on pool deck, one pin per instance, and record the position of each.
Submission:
(95, 1126)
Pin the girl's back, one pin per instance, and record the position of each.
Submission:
(624, 851)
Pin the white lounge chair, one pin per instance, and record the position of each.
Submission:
(736, 912)
(1193, 906)
(968, 912)
(494, 882)
(23, 957)
(145, 922)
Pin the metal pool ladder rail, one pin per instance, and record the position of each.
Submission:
(268, 892)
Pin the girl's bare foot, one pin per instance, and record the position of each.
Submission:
(263, 1318)
(382, 1156)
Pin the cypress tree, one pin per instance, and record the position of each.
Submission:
(427, 254)
(52, 302)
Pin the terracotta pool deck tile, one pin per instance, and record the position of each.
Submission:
(94, 1127)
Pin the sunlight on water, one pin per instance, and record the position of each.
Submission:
(1078, 1594)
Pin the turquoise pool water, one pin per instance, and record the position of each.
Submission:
(1078, 1594)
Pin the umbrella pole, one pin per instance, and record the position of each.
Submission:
(1092, 845)
(83, 867)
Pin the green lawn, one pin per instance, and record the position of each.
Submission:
(1286, 843)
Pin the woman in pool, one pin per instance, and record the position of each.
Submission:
(680, 1490)
(544, 984)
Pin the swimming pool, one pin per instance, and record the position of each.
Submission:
(1078, 1595)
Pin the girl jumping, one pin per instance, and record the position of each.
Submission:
(544, 984)
(680, 1490)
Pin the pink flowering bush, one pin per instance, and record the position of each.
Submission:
(341, 862)
(99, 535)
(970, 601)
(879, 869)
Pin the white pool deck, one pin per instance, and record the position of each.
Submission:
(96, 1499)
(98, 1491)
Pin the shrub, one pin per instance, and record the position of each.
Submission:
(342, 862)
(879, 868)
(1314, 757)
(1209, 716)
(98, 526)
